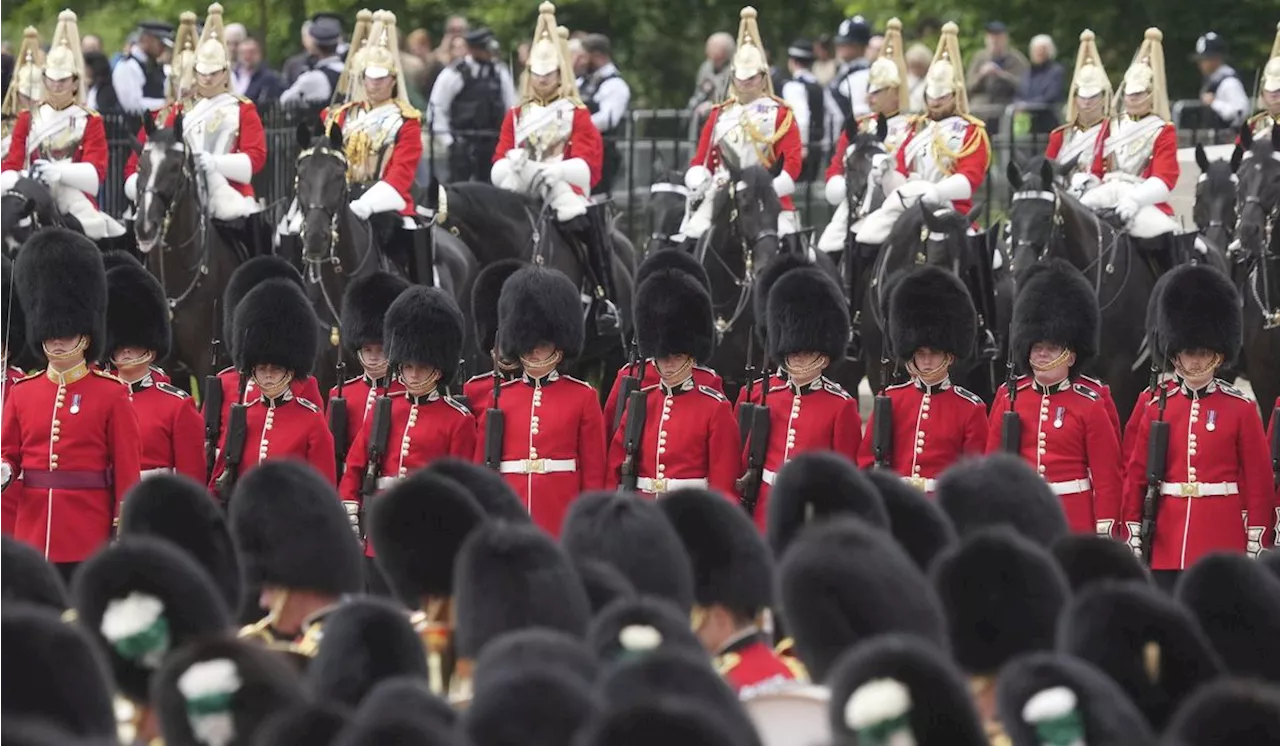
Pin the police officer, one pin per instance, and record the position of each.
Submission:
(1222, 92)
(467, 105)
(607, 97)
(139, 79)
(852, 39)
(317, 84)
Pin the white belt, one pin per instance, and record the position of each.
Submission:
(656, 486)
(538, 466)
(385, 482)
(922, 484)
(1073, 487)
(148, 473)
(1199, 489)
(768, 476)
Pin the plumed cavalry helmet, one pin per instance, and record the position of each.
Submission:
(1090, 77)
(345, 88)
(1271, 73)
(211, 54)
(548, 54)
(890, 68)
(946, 72)
(1146, 74)
(27, 75)
(64, 59)
(380, 57)
(182, 73)
(748, 58)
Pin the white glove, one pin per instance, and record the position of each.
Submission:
(353, 514)
(954, 187)
(1150, 192)
(48, 172)
(1126, 209)
(574, 171)
(1135, 537)
(837, 189)
(234, 166)
(361, 209)
(504, 176)
(697, 178)
(205, 161)
(517, 157)
(784, 185)
(131, 187)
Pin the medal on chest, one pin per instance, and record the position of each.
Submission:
(75, 404)
(1212, 423)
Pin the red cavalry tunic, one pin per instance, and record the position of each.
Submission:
(171, 430)
(250, 139)
(286, 427)
(819, 416)
(553, 445)
(702, 376)
(933, 427)
(401, 167)
(360, 393)
(750, 666)
(973, 147)
(690, 439)
(1162, 162)
(92, 147)
(787, 144)
(1218, 470)
(423, 429)
(584, 142)
(1093, 151)
(1068, 437)
(70, 450)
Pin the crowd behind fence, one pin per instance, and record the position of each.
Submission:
(652, 142)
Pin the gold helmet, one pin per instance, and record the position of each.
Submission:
(548, 54)
(381, 56)
(890, 68)
(211, 53)
(64, 59)
(359, 42)
(1271, 73)
(1146, 74)
(1090, 78)
(946, 72)
(749, 59)
(28, 73)
(182, 78)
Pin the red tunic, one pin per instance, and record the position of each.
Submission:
(933, 427)
(306, 388)
(749, 666)
(820, 416)
(1163, 162)
(422, 430)
(171, 429)
(702, 376)
(1273, 432)
(973, 165)
(11, 376)
(288, 427)
(788, 146)
(1068, 437)
(689, 433)
(1058, 136)
(1135, 421)
(84, 431)
(584, 142)
(1218, 470)
(479, 391)
(836, 166)
(1104, 393)
(402, 164)
(775, 379)
(553, 444)
(250, 140)
(92, 148)
(360, 393)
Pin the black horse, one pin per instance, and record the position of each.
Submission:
(665, 208)
(26, 208)
(1215, 205)
(1257, 265)
(181, 246)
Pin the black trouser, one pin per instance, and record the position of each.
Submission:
(375, 582)
(1166, 580)
(66, 570)
(471, 158)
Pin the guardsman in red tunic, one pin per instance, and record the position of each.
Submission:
(1066, 431)
(485, 291)
(172, 431)
(755, 128)
(60, 141)
(275, 328)
(1217, 493)
(733, 586)
(689, 436)
(808, 325)
(932, 323)
(424, 330)
(364, 307)
(678, 261)
(179, 87)
(69, 442)
(1080, 141)
(553, 446)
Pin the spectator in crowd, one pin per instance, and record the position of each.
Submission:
(90, 43)
(251, 78)
(1043, 87)
(301, 62)
(918, 58)
(607, 97)
(419, 44)
(140, 79)
(852, 39)
(874, 47)
(577, 59)
(125, 50)
(457, 49)
(811, 105)
(453, 45)
(1222, 92)
(315, 86)
(824, 63)
(994, 74)
(233, 34)
(713, 75)
(522, 58)
(100, 95)
(467, 106)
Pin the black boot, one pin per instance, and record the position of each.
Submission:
(850, 272)
(598, 247)
(982, 287)
(423, 265)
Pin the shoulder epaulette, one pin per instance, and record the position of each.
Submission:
(831, 387)
(172, 390)
(91, 112)
(508, 383)
(779, 388)
(242, 99)
(108, 376)
(1085, 391)
(579, 381)
(897, 386)
(713, 393)
(228, 369)
(794, 665)
(1227, 388)
(28, 377)
(726, 663)
(974, 120)
(706, 369)
(394, 394)
(965, 393)
(479, 376)
(306, 404)
(349, 382)
(1063, 127)
(650, 387)
(407, 110)
(1092, 381)
(456, 405)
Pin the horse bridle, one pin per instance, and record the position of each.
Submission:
(201, 268)
(314, 265)
(665, 187)
(1270, 316)
(744, 283)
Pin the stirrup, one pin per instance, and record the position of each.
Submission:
(853, 348)
(987, 347)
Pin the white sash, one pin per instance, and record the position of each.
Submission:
(1128, 135)
(63, 122)
(535, 121)
(1078, 145)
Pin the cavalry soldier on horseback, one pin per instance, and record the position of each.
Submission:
(69, 450)
(931, 326)
(1268, 114)
(888, 93)
(180, 87)
(61, 142)
(1218, 467)
(553, 445)
(1066, 431)
(753, 127)
(25, 87)
(1141, 148)
(1080, 141)
(687, 436)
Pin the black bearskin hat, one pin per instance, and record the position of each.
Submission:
(807, 313)
(537, 306)
(275, 325)
(603, 582)
(537, 649)
(27, 577)
(631, 534)
(142, 598)
(612, 633)
(491, 491)
(1001, 489)
(485, 293)
(424, 326)
(732, 566)
(137, 312)
(401, 710)
(63, 290)
(366, 640)
(1227, 711)
(13, 323)
(292, 531)
(672, 260)
(509, 577)
(178, 509)
(930, 307)
(311, 722)
(668, 721)
(772, 271)
(118, 257)
(1237, 602)
(246, 277)
(54, 673)
(1050, 690)
(816, 486)
(418, 526)
(900, 677)
(533, 706)
(1144, 640)
(1002, 595)
(1087, 558)
(364, 306)
(673, 316)
(844, 582)
(1199, 308)
(250, 682)
(1055, 304)
(918, 524)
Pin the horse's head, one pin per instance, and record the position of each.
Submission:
(164, 174)
(947, 238)
(1215, 206)
(321, 189)
(1258, 191)
(26, 207)
(667, 197)
(754, 208)
(1033, 212)
(866, 151)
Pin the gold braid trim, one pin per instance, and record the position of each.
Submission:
(966, 148)
(764, 145)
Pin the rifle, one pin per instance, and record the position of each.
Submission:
(495, 421)
(1157, 455)
(746, 410)
(882, 436)
(233, 449)
(339, 421)
(212, 405)
(757, 447)
(626, 386)
(636, 412)
(460, 379)
(1010, 424)
(1275, 447)
(380, 433)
